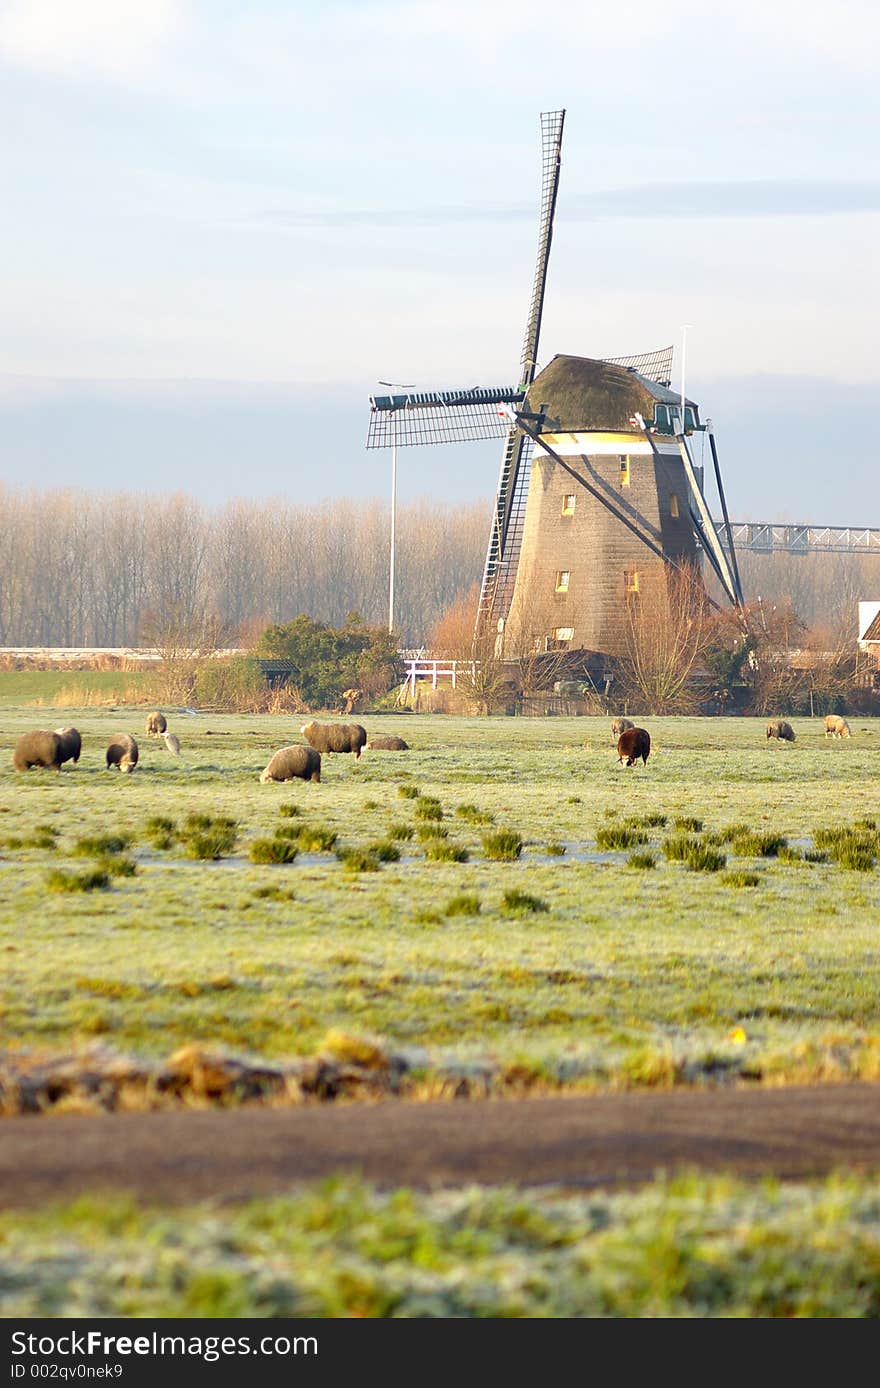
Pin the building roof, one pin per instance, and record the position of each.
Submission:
(582, 393)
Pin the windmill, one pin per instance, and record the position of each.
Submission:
(597, 481)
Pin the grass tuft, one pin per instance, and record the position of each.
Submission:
(289, 811)
(385, 850)
(688, 824)
(757, 844)
(275, 850)
(439, 850)
(400, 831)
(641, 860)
(408, 792)
(464, 904)
(357, 860)
(94, 879)
(101, 845)
(739, 877)
(502, 845)
(704, 858)
(613, 836)
(554, 849)
(317, 838)
(474, 815)
(429, 808)
(517, 903)
(677, 847)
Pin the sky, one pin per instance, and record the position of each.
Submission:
(225, 223)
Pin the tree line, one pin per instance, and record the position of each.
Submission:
(80, 568)
(104, 569)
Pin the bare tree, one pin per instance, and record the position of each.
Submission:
(480, 671)
(665, 629)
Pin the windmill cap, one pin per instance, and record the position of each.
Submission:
(585, 393)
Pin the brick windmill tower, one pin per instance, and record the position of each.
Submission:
(598, 486)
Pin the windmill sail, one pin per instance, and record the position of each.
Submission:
(513, 484)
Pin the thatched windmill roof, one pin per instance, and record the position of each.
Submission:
(582, 393)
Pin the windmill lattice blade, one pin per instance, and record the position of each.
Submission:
(441, 416)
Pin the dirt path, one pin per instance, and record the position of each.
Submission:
(602, 1140)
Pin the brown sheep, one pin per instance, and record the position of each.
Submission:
(835, 726)
(71, 744)
(122, 753)
(335, 737)
(37, 749)
(632, 744)
(289, 763)
(387, 744)
(777, 727)
(156, 724)
(620, 725)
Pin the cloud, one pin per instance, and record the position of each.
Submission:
(115, 38)
(756, 198)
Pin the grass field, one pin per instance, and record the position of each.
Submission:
(564, 966)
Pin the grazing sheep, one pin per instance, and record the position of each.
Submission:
(122, 753)
(172, 743)
(777, 727)
(632, 744)
(620, 725)
(37, 749)
(835, 726)
(71, 744)
(335, 737)
(156, 724)
(292, 762)
(387, 744)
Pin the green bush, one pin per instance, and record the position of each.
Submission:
(428, 808)
(502, 845)
(276, 850)
(327, 659)
(208, 839)
(426, 832)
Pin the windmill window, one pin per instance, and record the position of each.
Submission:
(563, 633)
(624, 472)
(673, 506)
(568, 504)
(631, 580)
(562, 580)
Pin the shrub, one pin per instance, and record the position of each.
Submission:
(502, 845)
(101, 845)
(517, 903)
(95, 879)
(688, 824)
(326, 659)
(277, 850)
(428, 808)
(738, 877)
(442, 851)
(704, 858)
(613, 836)
(408, 792)
(464, 904)
(641, 860)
